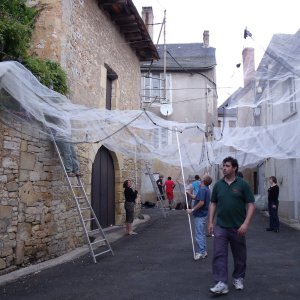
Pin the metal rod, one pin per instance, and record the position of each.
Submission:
(186, 200)
(165, 60)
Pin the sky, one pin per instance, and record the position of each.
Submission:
(226, 21)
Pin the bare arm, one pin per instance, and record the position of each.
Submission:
(191, 195)
(250, 212)
(211, 216)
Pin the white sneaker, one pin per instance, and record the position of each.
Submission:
(197, 256)
(204, 255)
(200, 255)
(220, 288)
(238, 283)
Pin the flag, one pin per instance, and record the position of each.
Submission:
(247, 33)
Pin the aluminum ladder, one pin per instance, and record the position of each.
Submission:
(156, 190)
(96, 239)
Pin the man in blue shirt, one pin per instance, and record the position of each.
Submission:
(200, 212)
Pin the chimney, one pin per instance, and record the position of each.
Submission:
(148, 18)
(206, 39)
(248, 64)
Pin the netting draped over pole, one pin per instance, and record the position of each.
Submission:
(267, 127)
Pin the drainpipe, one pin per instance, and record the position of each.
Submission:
(294, 188)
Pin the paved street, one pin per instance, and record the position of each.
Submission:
(158, 264)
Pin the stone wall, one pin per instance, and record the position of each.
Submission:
(38, 216)
(84, 40)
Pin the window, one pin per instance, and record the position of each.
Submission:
(110, 77)
(162, 137)
(153, 88)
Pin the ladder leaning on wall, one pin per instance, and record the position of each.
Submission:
(96, 239)
(156, 190)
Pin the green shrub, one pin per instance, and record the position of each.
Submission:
(49, 73)
(16, 27)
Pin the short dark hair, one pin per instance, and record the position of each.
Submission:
(169, 178)
(273, 178)
(207, 180)
(233, 162)
(197, 177)
(125, 183)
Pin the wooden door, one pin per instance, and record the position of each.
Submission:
(103, 188)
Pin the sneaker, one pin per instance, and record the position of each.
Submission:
(197, 256)
(132, 233)
(238, 283)
(220, 288)
(200, 255)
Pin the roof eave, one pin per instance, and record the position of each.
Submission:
(124, 14)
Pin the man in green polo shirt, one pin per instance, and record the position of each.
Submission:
(233, 203)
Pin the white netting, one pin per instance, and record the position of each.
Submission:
(137, 133)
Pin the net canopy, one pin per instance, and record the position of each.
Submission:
(269, 103)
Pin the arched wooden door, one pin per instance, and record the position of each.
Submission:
(103, 188)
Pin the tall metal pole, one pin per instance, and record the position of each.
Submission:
(186, 200)
(165, 60)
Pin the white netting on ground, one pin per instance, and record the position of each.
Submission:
(139, 133)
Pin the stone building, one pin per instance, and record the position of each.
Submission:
(100, 45)
(181, 87)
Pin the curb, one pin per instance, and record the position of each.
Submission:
(112, 234)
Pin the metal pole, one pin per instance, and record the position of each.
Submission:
(165, 61)
(294, 188)
(186, 200)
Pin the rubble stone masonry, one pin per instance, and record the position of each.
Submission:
(38, 217)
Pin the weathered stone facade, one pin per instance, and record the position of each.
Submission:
(79, 35)
(84, 40)
(38, 217)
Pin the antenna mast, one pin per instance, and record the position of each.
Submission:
(165, 62)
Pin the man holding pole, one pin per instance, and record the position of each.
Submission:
(200, 211)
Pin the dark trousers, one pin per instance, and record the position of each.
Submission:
(67, 151)
(273, 213)
(223, 238)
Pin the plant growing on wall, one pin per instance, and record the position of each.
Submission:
(16, 26)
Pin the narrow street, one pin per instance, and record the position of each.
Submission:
(158, 264)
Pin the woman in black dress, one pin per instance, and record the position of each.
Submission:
(273, 193)
(130, 197)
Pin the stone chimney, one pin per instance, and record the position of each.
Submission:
(248, 64)
(148, 18)
(205, 39)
